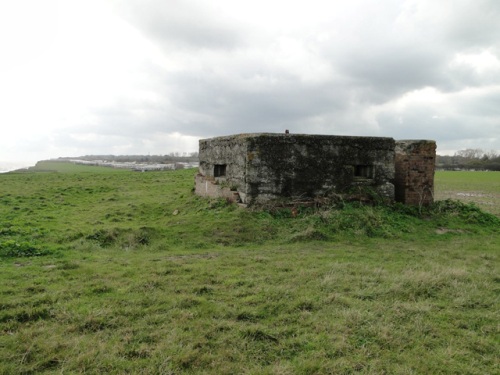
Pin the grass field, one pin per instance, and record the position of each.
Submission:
(481, 188)
(125, 272)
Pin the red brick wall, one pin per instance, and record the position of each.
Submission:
(414, 177)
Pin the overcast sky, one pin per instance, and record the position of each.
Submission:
(82, 77)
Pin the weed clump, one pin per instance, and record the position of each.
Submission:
(14, 249)
(357, 220)
(322, 223)
(468, 212)
(125, 238)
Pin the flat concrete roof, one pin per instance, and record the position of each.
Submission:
(293, 135)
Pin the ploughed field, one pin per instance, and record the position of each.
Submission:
(111, 271)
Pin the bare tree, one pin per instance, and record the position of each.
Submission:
(490, 155)
(470, 153)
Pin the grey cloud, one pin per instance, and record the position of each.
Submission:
(463, 76)
(359, 70)
(482, 106)
(420, 124)
(208, 106)
(393, 71)
(473, 23)
(461, 118)
(387, 58)
(220, 95)
(178, 24)
(242, 108)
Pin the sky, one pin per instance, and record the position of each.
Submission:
(82, 77)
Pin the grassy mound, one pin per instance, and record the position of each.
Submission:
(42, 212)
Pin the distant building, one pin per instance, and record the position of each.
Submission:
(261, 167)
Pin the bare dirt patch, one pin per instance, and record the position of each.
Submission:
(447, 230)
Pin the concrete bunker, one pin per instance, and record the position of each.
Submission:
(260, 167)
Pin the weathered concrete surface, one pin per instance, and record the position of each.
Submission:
(209, 188)
(415, 166)
(316, 165)
(267, 166)
(230, 151)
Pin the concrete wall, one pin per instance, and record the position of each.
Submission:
(227, 151)
(290, 166)
(415, 166)
(262, 167)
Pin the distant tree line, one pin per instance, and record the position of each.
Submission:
(476, 159)
(170, 158)
(471, 159)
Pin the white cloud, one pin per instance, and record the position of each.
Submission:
(152, 76)
(481, 63)
(27, 29)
